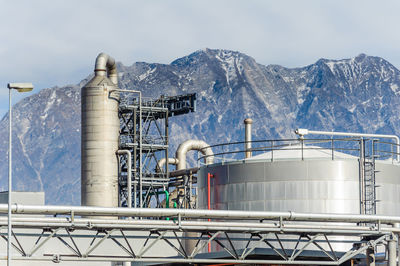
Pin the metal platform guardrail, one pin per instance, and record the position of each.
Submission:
(232, 151)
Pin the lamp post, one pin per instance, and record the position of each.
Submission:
(20, 87)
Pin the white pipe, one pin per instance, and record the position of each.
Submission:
(82, 223)
(196, 213)
(197, 145)
(105, 64)
(301, 132)
(162, 161)
(9, 226)
(129, 177)
(247, 137)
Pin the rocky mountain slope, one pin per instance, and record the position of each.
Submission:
(360, 94)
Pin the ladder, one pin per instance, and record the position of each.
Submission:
(367, 178)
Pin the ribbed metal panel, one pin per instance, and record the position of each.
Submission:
(311, 186)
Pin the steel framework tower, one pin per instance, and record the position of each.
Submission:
(144, 134)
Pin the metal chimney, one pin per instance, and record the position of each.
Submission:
(247, 137)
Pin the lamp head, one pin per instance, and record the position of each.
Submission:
(20, 87)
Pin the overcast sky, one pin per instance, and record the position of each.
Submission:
(53, 43)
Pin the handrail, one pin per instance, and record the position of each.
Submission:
(345, 145)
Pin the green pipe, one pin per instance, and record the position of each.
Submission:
(166, 196)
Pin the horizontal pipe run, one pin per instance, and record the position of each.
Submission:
(184, 172)
(83, 224)
(178, 260)
(190, 213)
(210, 228)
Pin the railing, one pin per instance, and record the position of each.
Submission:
(386, 150)
(305, 149)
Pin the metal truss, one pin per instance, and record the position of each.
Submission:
(149, 237)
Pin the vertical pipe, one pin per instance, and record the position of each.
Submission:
(166, 198)
(397, 225)
(129, 177)
(140, 152)
(135, 158)
(209, 176)
(9, 178)
(392, 252)
(185, 186)
(362, 178)
(190, 188)
(247, 137)
(166, 144)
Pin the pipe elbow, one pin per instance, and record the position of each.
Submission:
(189, 145)
(105, 64)
(163, 161)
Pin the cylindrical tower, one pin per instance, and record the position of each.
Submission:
(100, 135)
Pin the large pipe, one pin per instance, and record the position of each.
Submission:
(232, 225)
(200, 214)
(302, 131)
(100, 136)
(162, 161)
(197, 145)
(181, 152)
(105, 64)
(187, 171)
(247, 137)
(129, 177)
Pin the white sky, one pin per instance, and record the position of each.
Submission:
(51, 43)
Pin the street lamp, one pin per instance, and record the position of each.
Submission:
(20, 87)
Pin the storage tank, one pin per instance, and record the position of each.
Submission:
(299, 178)
(100, 135)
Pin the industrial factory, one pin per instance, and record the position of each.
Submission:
(322, 198)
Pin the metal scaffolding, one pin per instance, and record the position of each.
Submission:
(144, 133)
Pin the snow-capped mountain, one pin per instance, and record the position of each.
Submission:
(360, 94)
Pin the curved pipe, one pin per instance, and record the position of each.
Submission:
(106, 64)
(302, 131)
(197, 145)
(162, 161)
